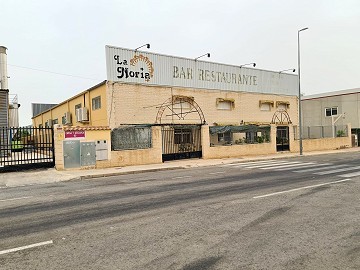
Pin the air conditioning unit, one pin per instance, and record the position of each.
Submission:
(50, 122)
(68, 118)
(82, 115)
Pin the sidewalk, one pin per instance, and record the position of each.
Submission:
(43, 176)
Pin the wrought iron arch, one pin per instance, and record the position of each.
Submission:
(281, 117)
(169, 103)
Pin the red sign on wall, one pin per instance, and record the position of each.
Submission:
(75, 134)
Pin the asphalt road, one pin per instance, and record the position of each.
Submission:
(295, 213)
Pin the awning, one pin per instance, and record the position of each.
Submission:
(237, 129)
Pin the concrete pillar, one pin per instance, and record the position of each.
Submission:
(58, 146)
(205, 141)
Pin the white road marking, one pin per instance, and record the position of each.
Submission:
(245, 164)
(180, 177)
(350, 174)
(287, 166)
(216, 172)
(85, 189)
(272, 165)
(2, 187)
(296, 189)
(319, 169)
(338, 170)
(26, 247)
(13, 199)
(306, 166)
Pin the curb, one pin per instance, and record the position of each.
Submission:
(85, 177)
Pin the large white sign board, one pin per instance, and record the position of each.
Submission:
(125, 65)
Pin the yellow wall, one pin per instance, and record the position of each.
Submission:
(96, 117)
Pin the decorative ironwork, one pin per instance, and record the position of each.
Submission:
(281, 117)
(186, 105)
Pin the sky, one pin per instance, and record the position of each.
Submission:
(56, 49)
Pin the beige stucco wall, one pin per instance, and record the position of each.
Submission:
(321, 144)
(115, 158)
(141, 156)
(139, 104)
(231, 151)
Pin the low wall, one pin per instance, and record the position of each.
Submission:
(321, 144)
(115, 158)
(231, 151)
(140, 156)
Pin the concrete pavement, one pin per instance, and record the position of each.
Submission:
(45, 176)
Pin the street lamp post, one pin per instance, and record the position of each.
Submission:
(249, 64)
(206, 54)
(300, 118)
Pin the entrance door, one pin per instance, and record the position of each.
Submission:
(282, 139)
(181, 142)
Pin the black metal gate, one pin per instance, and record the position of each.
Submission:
(181, 142)
(26, 148)
(282, 139)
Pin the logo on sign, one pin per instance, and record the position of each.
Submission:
(135, 70)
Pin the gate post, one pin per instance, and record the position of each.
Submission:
(205, 141)
(58, 147)
(291, 138)
(156, 137)
(273, 129)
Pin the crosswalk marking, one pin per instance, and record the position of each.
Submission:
(303, 165)
(286, 166)
(299, 167)
(252, 163)
(272, 165)
(350, 174)
(321, 168)
(338, 170)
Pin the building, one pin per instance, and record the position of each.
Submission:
(154, 108)
(332, 111)
(238, 103)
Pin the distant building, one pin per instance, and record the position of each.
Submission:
(333, 109)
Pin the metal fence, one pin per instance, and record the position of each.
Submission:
(318, 132)
(26, 148)
(181, 142)
(130, 138)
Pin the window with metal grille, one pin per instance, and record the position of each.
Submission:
(182, 136)
(63, 120)
(96, 103)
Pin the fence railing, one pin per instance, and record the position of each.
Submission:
(318, 132)
(130, 138)
(26, 147)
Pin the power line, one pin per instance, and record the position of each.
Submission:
(52, 72)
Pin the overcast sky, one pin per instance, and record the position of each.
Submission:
(69, 37)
